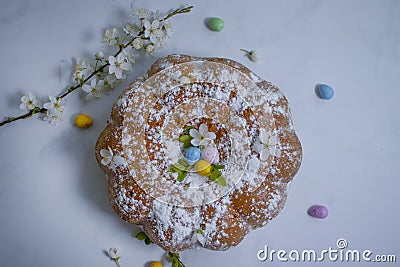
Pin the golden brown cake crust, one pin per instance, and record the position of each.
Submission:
(139, 144)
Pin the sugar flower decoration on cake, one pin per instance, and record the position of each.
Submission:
(108, 158)
(267, 145)
(29, 102)
(199, 156)
(202, 136)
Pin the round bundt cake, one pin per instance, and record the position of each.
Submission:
(198, 152)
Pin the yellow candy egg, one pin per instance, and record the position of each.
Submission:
(202, 167)
(156, 264)
(83, 121)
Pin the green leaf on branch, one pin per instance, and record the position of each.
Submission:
(143, 237)
(175, 260)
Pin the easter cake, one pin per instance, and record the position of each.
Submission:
(198, 152)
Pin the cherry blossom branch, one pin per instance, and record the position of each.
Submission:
(152, 30)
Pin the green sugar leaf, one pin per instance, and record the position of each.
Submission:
(187, 144)
(185, 138)
(221, 180)
(182, 175)
(219, 167)
(187, 128)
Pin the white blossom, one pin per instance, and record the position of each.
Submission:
(202, 136)
(56, 105)
(131, 29)
(113, 253)
(109, 83)
(95, 88)
(129, 53)
(150, 49)
(107, 156)
(266, 145)
(166, 27)
(81, 70)
(111, 36)
(137, 43)
(153, 31)
(253, 56)
(198, 237)
(29, 102)
(118, 65)
(53, 116)
(99, 55)
(142, 13)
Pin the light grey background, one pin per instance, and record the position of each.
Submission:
(53, 196)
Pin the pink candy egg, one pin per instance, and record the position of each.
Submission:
(318, 211)
(210, 154)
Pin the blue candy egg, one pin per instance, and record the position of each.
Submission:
(325, 91)
(192, 155)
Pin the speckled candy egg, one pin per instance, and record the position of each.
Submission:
(210, 154)
(318, 211)
(325, 91)
(215, 24)
(192, 154)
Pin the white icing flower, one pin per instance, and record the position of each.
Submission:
(202, 136)
(198, 237)
(111, 36)
(118, 65)
(29, 102)
(53, 116)
(56, 105)
(107, 156)
(113, 253)
(94, 90)
(267, 145)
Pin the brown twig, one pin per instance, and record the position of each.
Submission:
(96, 71)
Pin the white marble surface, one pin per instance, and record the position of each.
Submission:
(53, 196)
